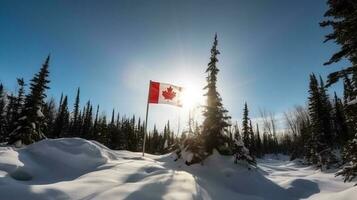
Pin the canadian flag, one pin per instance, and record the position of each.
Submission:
(165, 93)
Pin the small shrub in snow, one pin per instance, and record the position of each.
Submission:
(191, 150)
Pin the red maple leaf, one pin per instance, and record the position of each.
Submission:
(169, 93)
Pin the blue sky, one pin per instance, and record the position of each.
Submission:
(111, 49)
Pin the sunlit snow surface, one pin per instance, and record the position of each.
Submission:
(80, 169)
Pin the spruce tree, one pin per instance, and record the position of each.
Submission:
(349, 157)
(113, 133)
(132, 143)
(166, 137)
(2, 114)
(341, 129)
(62, 120)
(245, 126)
(319, 150)
(155, 140)
(87, 121)
(251, 145)
(215, 116)
(18, 104)
(102, 129)
(75, 125)
(265, 143)
(60, 103)
(347, 89)
(49, 111)
(341, 17)
(350, 109)
(241, 153)
(236, 132)
(140, 135)
(10, 110)
(81, 122)
(95, 125)
(117, 121)
(123, 136)
(326, 114)
(30, 122)
(258, 143)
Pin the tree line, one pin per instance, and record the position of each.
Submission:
(27, 118)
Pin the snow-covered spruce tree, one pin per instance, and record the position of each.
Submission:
(167, 145)
(14, 107)
(50, 112)
(18, 104)
(30, 122)
(192, 149)
(319, 151)
(2, 114)
(349, 156)
(241, 153)
(215, 115)
(350, 104)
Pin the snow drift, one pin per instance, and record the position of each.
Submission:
(58, 160)
(74, 168)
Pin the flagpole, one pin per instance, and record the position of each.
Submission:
(178, 124)
(146, 119)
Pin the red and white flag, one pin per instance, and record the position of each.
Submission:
(164, 93)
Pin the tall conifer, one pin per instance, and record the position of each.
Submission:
(318, 144)
(215, 116)
(245, 126)
(30, 122)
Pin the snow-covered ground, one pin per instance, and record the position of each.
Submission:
(79, 169)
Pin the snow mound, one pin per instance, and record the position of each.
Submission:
(56, 160)
(74, 168)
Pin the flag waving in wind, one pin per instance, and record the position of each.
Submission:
(163, 93)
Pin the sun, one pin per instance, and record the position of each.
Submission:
(192, 97)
